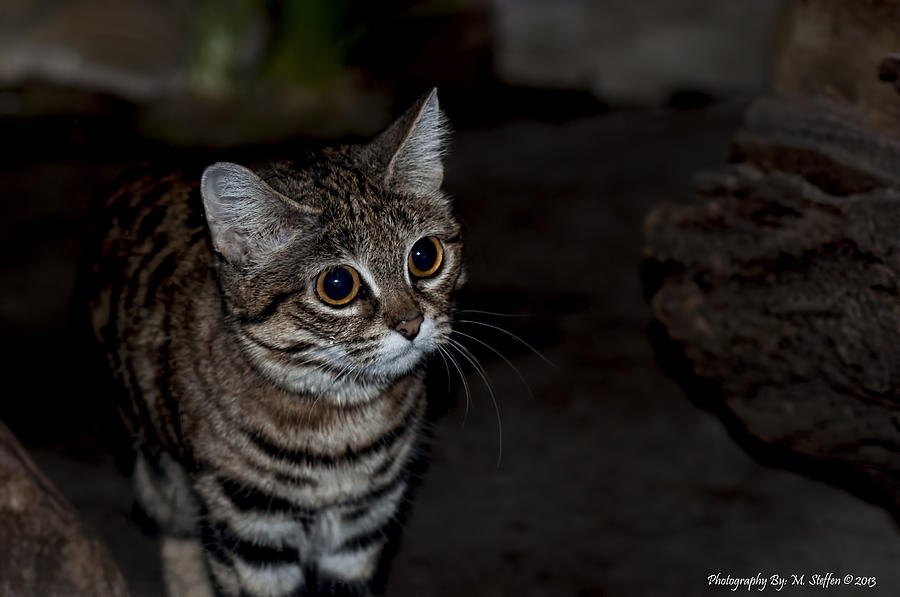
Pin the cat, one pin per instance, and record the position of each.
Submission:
(271, 326)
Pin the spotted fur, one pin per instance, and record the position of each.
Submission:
(275, 433)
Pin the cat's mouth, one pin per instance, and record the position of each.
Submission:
(397, 356)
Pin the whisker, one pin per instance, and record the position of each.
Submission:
(491, 313)
(347, 368)
(357, 373)
(464, 352)
(446, 368)
(462, 378)
(311, 407)
(513, 336)
(322, 358)
(499, 354)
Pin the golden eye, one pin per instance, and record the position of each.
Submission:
(338, 286)
(425, 257)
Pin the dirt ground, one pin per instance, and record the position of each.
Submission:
(610, 482)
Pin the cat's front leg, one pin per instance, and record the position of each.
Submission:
(164, 494)
(348, 573)
(184, 569)
(252, 548)
(352, 540)
(242, 567)
(239, 567)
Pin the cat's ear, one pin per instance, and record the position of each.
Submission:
(247, 218)
(408, 155)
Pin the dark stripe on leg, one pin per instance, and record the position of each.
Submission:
(212, 544)
(322, 585)
(257, 555)
(367, 539)
(363, 504)
(380, 491)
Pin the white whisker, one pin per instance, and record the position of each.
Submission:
(514, 337)
(492, 313)
(446, 368)
(464, 352)
(499, 354)
(462, 378)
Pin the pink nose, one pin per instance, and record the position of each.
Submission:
(409, 328)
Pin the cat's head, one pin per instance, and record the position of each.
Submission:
(337, 269)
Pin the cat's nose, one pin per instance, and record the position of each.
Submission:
(408, 327)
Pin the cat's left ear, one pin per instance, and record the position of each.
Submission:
(247, 218)
(408, 155)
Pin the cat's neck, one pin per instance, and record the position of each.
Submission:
(311, 381)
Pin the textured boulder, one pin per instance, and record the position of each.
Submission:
(777, 287)
(45, 550)
(780, 285)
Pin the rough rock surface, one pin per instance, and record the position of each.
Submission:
(45, 551)
(780, 284)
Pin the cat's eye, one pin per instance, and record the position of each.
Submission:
(338, 286)
(425, 257)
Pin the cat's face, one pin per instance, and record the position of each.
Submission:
(339, 270)
(357, 297)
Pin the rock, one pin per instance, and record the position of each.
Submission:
(45, 550)
(777, 287)
(784, 295)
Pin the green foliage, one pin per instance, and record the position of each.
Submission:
(216, 30)
(287, 42)
(311, 41)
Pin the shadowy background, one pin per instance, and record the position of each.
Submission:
(572, 119)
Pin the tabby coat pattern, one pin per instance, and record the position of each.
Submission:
(275, 431)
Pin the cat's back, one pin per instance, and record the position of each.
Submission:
(150, 247)
(149, 270)
(148, 216)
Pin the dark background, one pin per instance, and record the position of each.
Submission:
(572, 119)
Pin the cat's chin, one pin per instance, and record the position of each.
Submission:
(399, 365)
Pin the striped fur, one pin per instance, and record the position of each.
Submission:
(275, 433)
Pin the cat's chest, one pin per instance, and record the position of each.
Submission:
(317, 532)
(313, 533)
(331, 540)
(327, 531)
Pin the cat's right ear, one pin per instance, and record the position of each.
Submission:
(408, 155)
(247, 218)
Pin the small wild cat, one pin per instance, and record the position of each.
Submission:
(271, 328)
